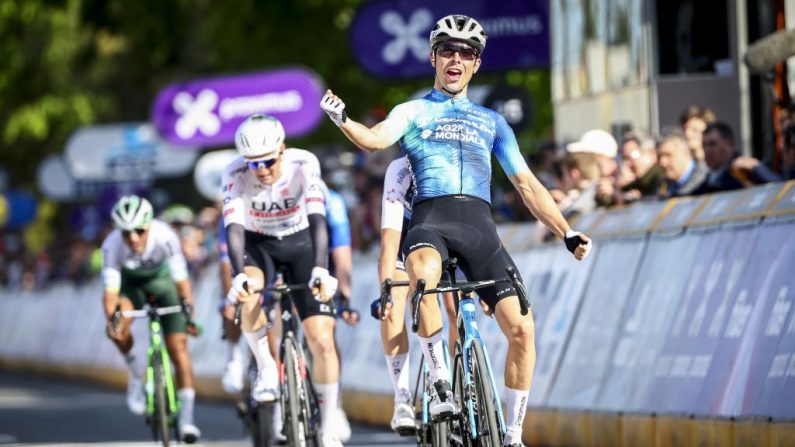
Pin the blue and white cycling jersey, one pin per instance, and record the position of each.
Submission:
(339, 227)
(449, 142)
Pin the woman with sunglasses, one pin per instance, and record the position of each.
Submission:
(275, 216)
(143, 257)
(449, 142)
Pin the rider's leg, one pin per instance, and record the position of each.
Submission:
(519, 364)
(232, 379)
(452, 324)
(395, 340)
(426, 263)
(319, 331)
(136, 401)
(177, 345)
(254, 325)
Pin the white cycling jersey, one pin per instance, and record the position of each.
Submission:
(398, 195)
(279, 209)
(162, 247)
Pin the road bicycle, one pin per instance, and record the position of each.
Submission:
(300, 406)
(480, 421)
(162, 405)
(427, 432)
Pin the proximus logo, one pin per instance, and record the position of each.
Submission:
(408, 36)
(197, 114)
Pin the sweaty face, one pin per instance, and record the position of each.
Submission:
(455, 63)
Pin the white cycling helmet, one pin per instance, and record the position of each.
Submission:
(259, 136)
(461, 28)
(131, 212)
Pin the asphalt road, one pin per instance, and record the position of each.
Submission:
(48, 411)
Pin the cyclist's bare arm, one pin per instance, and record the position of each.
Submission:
(185, 290)
(110, 299)
(543, 206)
(370, 139)
(538, 200)
(390, 245)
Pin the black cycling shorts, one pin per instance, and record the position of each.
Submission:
(462, 227)
(295, 256)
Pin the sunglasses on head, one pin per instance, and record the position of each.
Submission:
(254, 165)
(447, 50)
(138, 231)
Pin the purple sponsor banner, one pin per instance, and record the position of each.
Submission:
(390, 38)
(683, 368)
(585, 363)
(755, 352)
(206, 112)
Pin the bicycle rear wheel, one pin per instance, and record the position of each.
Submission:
(291, 397)
(489, 430)
(160, 425)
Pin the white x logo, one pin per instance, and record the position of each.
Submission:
(196, 114)
(407, 35)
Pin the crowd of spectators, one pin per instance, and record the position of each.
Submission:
(698, 157)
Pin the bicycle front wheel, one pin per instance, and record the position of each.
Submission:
(489, 430)
(262, 435)
(160, 423)
(464, 434)
(291, 397)
(432, 433)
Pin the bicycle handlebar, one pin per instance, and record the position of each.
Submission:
(182, 307)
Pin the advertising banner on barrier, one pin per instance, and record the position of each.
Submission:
(585, 361)
(206, 112)
(120, 152)
(556, 305)
(688, 353)
(647, 317)
(390, 37)
(756, 326)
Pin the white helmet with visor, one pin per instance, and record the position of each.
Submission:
(460, 28)
(259, 136)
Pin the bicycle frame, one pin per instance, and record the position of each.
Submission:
(468, 332)
(157, 348)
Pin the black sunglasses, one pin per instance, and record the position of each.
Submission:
(138, 231)
(447, 50)
(254, 165)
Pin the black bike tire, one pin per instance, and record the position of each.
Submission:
(262, 436)
(487, 413)
(161, 423)
(434, 434)
(461, 398)
(311, 406)
(291, 400)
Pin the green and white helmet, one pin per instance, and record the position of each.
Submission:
(131, 212)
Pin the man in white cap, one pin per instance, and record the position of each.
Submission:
(605, 147)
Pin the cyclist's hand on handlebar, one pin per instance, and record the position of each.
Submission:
(578, 244)
(328, 284)
(334, 108)
(375, 309)
(241, 289)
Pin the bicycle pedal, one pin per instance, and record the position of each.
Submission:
(446, 415)
(406, 431)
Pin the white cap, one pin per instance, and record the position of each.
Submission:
(595, 141)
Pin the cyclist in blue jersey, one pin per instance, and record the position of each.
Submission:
(341, 258)
(449, 142)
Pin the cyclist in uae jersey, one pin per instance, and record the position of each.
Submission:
(275, 217)
(449, 142)
(142, 257)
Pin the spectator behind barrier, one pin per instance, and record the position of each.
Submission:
(694, 119)
(683, 174)
(728, 169)
(605, 147)
(640, 158)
